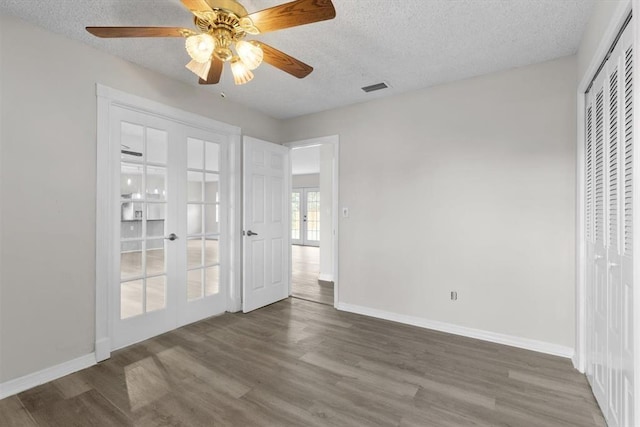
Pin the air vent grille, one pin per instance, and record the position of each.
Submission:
(373, 88)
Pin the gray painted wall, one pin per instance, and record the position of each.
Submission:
(306, 181)
(467, 186)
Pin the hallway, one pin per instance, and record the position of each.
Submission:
(304, 278)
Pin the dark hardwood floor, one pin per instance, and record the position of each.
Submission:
(298, 363)
(304, 278)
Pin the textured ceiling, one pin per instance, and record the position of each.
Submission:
(410, 44)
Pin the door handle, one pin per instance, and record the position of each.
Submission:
(613, 264)
(171, 237)
(251, 233)
(599, 257)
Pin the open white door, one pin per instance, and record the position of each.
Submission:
(267, 237)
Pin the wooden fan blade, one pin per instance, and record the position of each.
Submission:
(197, 5)
(299, 12)
(214, 72)
(109, 32)
(286, 63)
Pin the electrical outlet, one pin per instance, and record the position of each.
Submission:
(454, 296)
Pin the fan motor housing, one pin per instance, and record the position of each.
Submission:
(228, 6)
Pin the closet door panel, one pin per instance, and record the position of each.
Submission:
(609, 176)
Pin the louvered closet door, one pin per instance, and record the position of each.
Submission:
(608, 220)
(626, 141)
(590, 238)
(600, 379)
(614, 276)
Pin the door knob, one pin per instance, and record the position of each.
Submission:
(251, 233)
(171, 237)
(599, 257)
(613, 264)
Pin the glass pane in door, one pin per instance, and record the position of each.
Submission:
(313, 215)
(156, 146)
(203, 218)
(156, 293)
(143, 192)
(212, 280)
(295, 215)
(194, 252)
(130, 259)
(131, 298)
(194, 284)
(155, 256)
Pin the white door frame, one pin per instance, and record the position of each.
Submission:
(335, 141)
(613, 28)
(106, 206)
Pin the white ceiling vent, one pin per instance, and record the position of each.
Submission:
(377, 86)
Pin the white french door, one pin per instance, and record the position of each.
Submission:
(171, 225)
(266, 241)
(305, 216)
(609, 241)
(203, 223)
(148, 212)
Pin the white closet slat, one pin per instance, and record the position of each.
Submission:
(613, 160)
(628, 151)
(599, 168)
(589, 175)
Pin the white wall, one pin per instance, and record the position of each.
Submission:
(48, 185)
(467, 186)
(311, 180)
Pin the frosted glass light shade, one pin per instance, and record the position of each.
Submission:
(250, 54)
(200, 47)
(199, 69)
(241, 74)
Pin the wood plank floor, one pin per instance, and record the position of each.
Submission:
(304, 276)
(298, 363)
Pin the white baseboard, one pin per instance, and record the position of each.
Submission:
(577, 364)
(18, 385)
(325, 277)
(525, 343)
(103, 349)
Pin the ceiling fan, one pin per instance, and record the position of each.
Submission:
(223, 25)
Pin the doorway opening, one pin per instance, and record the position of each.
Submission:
(314, 206)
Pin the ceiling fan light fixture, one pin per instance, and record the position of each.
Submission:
(219, 36)
(200, 47)
(250, 53)
(224, 54)
(199, 69)
(223, 38)
(241, 74)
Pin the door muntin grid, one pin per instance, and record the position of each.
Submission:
(313, 215)
(143, 218)
(296, 214)
(203, 218)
